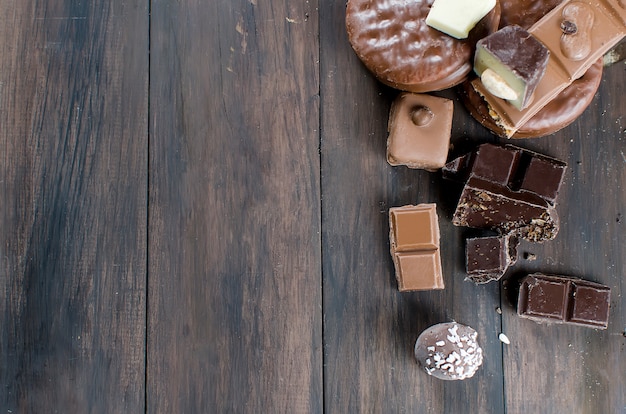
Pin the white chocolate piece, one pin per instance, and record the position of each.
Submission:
(497, 86)
(457, 17)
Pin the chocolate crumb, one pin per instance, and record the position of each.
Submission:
(568, 27)
(530, 256)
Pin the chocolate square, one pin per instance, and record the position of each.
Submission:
(543, 177)
(590, 305)
(495, 163)
(420, 270)
(486, 258)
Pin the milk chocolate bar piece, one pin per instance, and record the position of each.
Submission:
(419, 131)
(414, 241)
(564, 299)
(511, 62)
(577, 33)
(508, 189)
(488, 258)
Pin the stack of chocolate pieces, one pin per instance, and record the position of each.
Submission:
(510, 191)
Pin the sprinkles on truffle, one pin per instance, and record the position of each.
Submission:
(449, 351)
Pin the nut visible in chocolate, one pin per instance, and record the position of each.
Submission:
(449, 351)
(457, 17)
(601, 24)
(419, 131)
(564, 299)
(414, 243)
(560, 112)
(511, 60)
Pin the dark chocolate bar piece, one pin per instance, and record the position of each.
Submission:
(564, 299)
(509, 190)
(488, 258)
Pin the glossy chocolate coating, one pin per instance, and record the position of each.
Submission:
(393, 41)
(414, 244)
(525, 13)
(564, 108)
(563, 299)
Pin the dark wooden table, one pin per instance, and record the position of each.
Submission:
(194, 201)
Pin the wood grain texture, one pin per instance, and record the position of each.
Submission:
(213, 174)
(370, 328)
(73, 179)
(235, 321)
(557, 368)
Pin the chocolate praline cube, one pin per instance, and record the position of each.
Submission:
(517, 58)
(419, 128)
(543, 177)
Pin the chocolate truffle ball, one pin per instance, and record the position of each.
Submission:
(449, 351)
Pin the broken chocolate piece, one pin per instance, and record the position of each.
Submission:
(511, 61)
(449, 351)
(510, 190)
(419, 131)
(564, 299)
(488, 258)
(414, 242)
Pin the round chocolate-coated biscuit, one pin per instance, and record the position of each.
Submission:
(556, 115)
(394, 42)
(565, 108)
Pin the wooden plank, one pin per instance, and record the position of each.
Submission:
(560, 369)
(370, 328)
(73, 139)
(235, 318)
